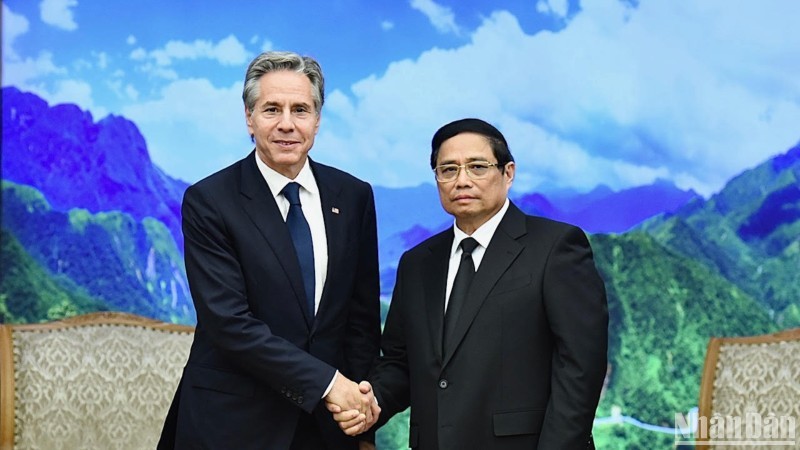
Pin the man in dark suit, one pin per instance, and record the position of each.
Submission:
(514, 358)
(281, 257)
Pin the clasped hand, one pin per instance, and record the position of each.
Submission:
(353, 405)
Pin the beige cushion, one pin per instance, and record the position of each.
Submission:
(99, 381)
(756, 377)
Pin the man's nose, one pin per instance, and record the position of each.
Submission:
(462, 179)
(286, 121)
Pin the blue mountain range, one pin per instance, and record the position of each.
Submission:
(89, 221)
(100, 166)
(78, 163)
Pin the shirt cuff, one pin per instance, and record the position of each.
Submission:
(330, 385)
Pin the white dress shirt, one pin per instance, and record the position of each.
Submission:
(483, 235)
(312, 210)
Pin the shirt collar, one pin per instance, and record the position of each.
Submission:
(277, 181)
(484, 232)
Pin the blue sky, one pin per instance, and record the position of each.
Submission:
(595, 92)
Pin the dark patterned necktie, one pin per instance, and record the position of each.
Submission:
(301, 238)
(458, 294)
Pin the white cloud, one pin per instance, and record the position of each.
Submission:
(228, 51)
(621, 96)
(558, 8)
(122, 90)
(21, 73)
(157, 71)
(73, 91)
(693, 92)
(387, 25)
(102, 59)
(267, 46)
(131, 92)
(441, 17)
(30, 73)
(58, 13)
(193, 128)
(138, 54)
(14, 25)
(131, 40)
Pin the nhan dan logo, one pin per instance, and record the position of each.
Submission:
(752, 430)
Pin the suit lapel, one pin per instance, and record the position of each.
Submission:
(329, 192)
(260, 206)
(434, 286)
(502, 251)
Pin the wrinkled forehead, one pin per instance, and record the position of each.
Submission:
(465, 147)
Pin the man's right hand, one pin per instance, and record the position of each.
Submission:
(356, 420)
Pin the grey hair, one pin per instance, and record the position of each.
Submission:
(274, 61)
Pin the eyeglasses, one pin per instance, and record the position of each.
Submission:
(475, 170)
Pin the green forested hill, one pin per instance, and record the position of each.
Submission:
(749, 232)
(29, 294)
(128, 265)
(663, 308)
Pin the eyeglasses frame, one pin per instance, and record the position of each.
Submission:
(470, 175)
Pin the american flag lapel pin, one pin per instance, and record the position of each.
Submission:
(335, 210)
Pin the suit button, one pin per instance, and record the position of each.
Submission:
(443, 384)
(300, 399)
(288, 394)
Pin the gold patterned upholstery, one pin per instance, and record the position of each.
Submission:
(755, 379)
(97, 381)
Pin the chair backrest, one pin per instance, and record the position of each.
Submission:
(96, 381)
(750, 391)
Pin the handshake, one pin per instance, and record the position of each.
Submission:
(353, 405)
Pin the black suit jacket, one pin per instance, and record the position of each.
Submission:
(528, 360)
(258, 361)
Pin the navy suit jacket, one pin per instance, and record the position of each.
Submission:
(527, 362)
(258, 360)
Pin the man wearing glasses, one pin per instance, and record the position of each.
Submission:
(497, 332)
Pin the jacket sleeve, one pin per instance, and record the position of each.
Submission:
(576, 307)
(390, 377)
(362, 339)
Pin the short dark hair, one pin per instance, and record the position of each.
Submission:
(495, 138)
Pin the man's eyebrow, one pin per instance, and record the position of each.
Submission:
(291, 105)
(469, 160)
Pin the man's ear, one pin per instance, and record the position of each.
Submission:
(509, 172)
(247, 120)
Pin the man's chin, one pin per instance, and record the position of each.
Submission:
(464, 211)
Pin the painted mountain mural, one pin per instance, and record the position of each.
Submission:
(409, 216)
(110, 258)
(663, 308)
(29, 293)
(90, 223)
(749, 233)
(77, 163)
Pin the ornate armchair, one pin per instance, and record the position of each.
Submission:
(750, 392)
(97, 381)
